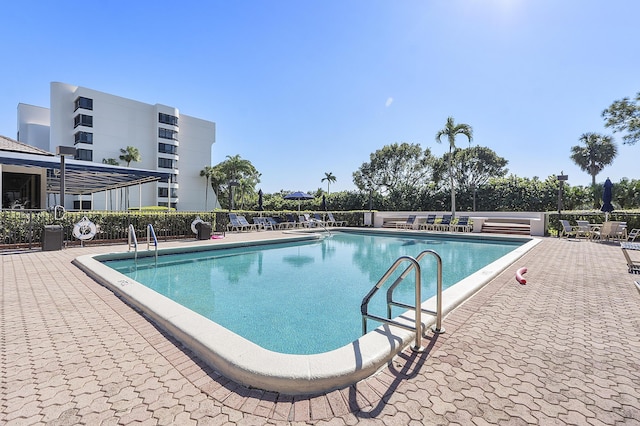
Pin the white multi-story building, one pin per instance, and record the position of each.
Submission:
(98, 125)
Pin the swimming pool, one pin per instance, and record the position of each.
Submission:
(304, 297)
(252, 365)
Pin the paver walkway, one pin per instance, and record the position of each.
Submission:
(562, 349)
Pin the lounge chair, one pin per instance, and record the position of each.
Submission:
(408, 224)
(235, 224)
(244, 222)
(461, 225)
(608, 231)
(444, 223)
(429, 223)
(568, 230)
(262, 223)
(305, 221)
(318, 219)
(633, 234)
(275, 224)
(291, 220)
(633, 265)
(333, 222)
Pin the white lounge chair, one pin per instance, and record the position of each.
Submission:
(333, 222)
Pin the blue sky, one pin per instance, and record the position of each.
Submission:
(301, 88)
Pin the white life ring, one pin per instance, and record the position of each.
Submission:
(194, 224)
(85, 229)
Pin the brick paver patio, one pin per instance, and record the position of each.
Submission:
(562, 349)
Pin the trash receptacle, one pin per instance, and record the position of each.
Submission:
(204, 230)
(52, 238)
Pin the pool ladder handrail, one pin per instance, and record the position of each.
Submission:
(151, 233)
(133, 240)
(414, 264)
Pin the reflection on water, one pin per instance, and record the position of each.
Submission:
(303, 298)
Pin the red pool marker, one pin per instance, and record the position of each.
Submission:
(519, 275)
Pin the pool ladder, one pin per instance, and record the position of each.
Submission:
(151, 235)
(414, 264)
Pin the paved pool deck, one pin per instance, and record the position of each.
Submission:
(562, 349)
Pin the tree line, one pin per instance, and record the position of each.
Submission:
(404, 176)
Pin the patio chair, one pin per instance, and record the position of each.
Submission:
(408, 224)
(608, 231)
(333, 222)
(461, 225)
(568, 230)
(444, 223)
(622, 231)
(305, 221)
(633, 234)
(429, 223)
(584, 228)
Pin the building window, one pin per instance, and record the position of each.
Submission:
(167, 134)
(83, 120)
(84, 154)
(86, 205)
(166, 148)
(164, 192)
(166, 163)
(83, 137)
(174, 179)
(84, 103)
(167, 119)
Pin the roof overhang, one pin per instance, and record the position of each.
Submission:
(82, 177)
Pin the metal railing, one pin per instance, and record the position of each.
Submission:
(418, 326)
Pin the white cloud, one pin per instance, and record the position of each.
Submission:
(389, 102)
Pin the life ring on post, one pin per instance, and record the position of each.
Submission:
(85, 229)
(194, 224)
(58, 212)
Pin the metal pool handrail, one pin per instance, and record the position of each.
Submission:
(151, 233)
(437, 328)
(132, 239)
(418, 320)
(415, 265)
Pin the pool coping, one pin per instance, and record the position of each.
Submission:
(251, 365)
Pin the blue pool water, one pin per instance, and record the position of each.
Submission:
(304, 298)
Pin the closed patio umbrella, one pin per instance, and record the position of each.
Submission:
(607, 196)
(260, 208)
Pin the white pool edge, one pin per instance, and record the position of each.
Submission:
(251, 365)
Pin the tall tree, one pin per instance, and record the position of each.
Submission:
(330, 178)
(597, 152)
(451, 130)
(394, 166)
(472, 166)
(206, 173)
(128, 155)
(234, 171)
(624, 116)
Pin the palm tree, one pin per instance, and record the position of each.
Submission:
(206, 173)
(597, 152)
(330, 178)
(129, 154)
(451, 130)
